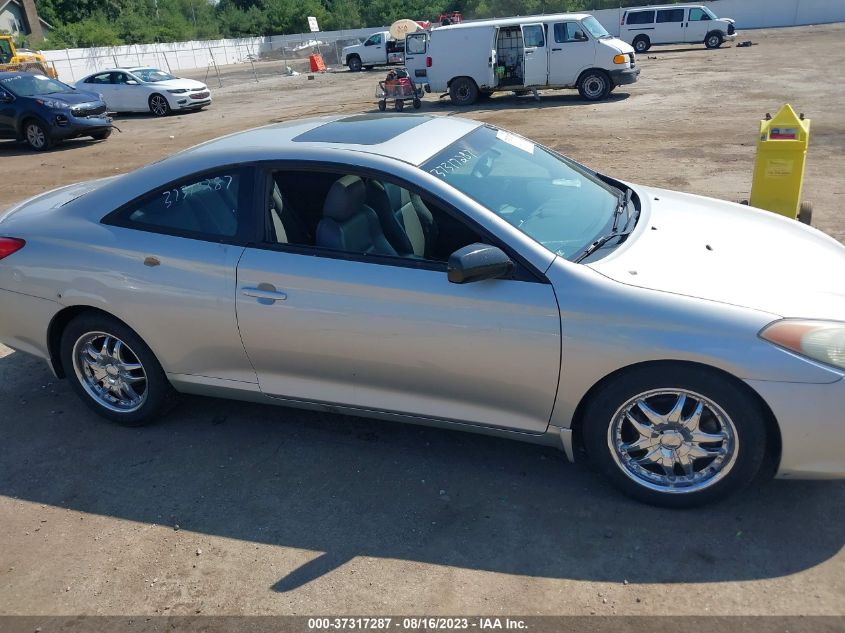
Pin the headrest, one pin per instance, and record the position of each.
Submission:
(345, 198)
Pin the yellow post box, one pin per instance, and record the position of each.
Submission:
(779, 168)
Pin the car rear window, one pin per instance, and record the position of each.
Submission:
(640, 17)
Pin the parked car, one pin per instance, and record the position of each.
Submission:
(146, 89)
(42, 111)
(445, 272)
(643, 27)
(379, 49)
(565, 50)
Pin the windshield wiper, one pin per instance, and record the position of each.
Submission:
(622, 205)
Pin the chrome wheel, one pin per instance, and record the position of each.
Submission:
(35, 136)
(110, 372)
(673, 441)
(158, 105)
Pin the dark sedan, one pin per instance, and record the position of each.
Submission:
(42, 111)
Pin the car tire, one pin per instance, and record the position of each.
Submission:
(37, 135)
(463, 91)
(594, 85)
(382, 105)
(113, 371)
(399, 105)
(354, 64)
(647, 431)
(713, 40)
(159, 105)
(641, 44)
(417, 104)
(101, 136)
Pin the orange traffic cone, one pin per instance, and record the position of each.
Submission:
(317, 63)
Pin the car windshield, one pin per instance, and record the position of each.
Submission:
(152, 75)
(551, 199)
(710, 13)
(33, 85)
(594, 27)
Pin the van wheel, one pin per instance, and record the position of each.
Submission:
(642, 43)
(354, 63)
(594, 85)
(713, 40)
(463, 91)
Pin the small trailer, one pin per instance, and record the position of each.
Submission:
(399, 88)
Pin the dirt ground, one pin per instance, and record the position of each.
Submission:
(288, 512)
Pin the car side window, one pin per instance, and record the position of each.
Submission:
(374, 39)
(533, 36)
(566, 32)
(640, 17)
(211, 206)
(670, 15)
(102, 78)
(698, 15)
(119, 78)
(334, 212)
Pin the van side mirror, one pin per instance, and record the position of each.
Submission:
(477, 262)
(580, 36)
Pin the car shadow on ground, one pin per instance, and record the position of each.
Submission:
(345, 487)
(506, 101)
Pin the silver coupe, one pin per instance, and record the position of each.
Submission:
(442, 271)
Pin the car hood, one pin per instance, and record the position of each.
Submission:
(731, 253)
(617, 45)
(178, 83)
(72, 97)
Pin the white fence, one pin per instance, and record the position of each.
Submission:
(74, 63)
(755, 14)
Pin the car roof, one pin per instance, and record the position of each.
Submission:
(411, 138)
(662, 6)
(528, 19)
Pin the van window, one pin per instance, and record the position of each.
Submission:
(640, 17)
(698, 15)
(670, 15)
(415, 45)
(569, 32)
(533, 36)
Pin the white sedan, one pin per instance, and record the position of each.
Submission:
(146, 89)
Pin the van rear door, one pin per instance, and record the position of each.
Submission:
(416, 51)
(535, 55)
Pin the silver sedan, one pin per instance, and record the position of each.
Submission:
(444, 272)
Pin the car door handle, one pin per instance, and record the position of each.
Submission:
(555, 49)
(268, 293)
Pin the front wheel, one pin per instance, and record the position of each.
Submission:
(675, 436)
(594, 85)
(37, 135)
(113, 371)
(713, 40)
(159, 105)
(463, 91)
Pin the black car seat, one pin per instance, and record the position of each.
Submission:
(348, 224)
(408, 224)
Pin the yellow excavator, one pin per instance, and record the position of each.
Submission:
(12, 59)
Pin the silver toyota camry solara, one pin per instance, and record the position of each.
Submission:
(445, 272)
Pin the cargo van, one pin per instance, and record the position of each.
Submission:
(675, 24)
(565, 50)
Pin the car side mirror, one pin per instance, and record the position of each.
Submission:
(131, 82)
(580, 36)
(477, 262)
(6, 97)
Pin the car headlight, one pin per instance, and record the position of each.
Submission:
(823, 341)
(55, 104)
(178, 91)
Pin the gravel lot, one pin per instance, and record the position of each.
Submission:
(282, 511)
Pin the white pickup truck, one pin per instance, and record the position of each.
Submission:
(377, 50)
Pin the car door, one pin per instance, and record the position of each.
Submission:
(126, 96)
(102, 84)
(571, 52)
(416, 47)
(669, 26)
(373, 52)
(389, 333)
(696, 26)
(8, 115)
(535, 56)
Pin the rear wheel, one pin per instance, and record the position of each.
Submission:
(674, 436)
(713, 40)
(113, 370)
(382, 105)
(399, 105)
(37, 135)
(594, 85)
(354, 63)
(463, 91)
(641, 43)
(159, 105)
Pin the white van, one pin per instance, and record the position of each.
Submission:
(566, 50)
(675, 24)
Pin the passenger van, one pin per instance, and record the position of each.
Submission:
(675, 24)
(566, 50)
